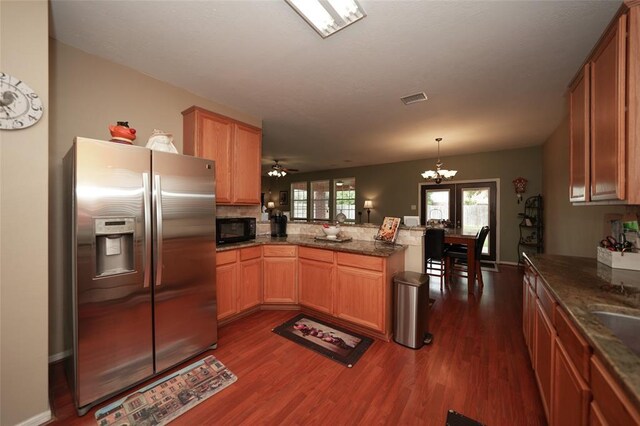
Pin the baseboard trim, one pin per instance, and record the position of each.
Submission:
(38, 419)
(59, 356)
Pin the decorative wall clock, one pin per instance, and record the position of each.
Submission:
(20, 106)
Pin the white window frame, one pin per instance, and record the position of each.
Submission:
(336, 208)
(312, 204)
(293, 200)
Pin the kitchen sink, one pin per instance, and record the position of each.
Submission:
(624, 327)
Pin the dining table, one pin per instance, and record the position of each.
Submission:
(459, 236)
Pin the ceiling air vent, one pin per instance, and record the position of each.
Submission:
(412, 99)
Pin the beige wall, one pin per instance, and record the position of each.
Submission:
(23, 223)
(87, 94)
(394, 187)
(573, 231)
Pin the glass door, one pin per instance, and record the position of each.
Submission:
(470, 206)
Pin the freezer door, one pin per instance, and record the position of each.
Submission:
(113, 341)
(184, 257)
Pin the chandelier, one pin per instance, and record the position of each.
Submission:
(439, 174)
(277, 173)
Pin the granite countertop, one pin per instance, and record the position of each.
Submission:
(583, 285)
(369, 248)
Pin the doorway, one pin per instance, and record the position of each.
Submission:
(468, 205)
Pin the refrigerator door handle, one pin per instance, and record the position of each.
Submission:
(158, 206)
(147, 230)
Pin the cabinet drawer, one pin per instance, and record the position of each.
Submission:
(224, 257)
(279, 251)
(360, 261)
(577, 348)
(250, 253)
(547, 301)
(316, 254)
(615, 407)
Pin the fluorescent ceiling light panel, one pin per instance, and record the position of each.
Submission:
(328, 16)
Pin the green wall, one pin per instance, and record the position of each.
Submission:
(571, 230)
(393, 187)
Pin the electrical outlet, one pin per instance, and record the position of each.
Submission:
(414, 207)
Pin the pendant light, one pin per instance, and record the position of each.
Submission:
(439, 174)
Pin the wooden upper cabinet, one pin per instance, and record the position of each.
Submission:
(246, 166)
(579, 137)
(236, 149)
(607, 133)
(608, 69)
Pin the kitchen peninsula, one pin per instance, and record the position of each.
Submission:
(349, 283)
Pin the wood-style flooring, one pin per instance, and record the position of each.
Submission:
(477, 365)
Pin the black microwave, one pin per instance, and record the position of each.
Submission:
(235, 229)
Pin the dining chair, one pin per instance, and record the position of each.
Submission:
(434, 253)
(458, 257)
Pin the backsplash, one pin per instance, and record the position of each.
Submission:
(406, 236)
(239, 211)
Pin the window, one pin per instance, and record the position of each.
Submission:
(320, 200)
(437, 204)
(299, 200)
(344, 191)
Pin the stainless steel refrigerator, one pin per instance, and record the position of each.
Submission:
(142, 264)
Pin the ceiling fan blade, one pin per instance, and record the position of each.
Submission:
(290, 170)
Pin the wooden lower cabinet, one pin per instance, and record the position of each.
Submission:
(545, 338)
(279, 283)
(351, 287)
(610, 402)
(595, 416)
(280, 277)
(531, 306)
(575, 387)
(227, 283)
(360, 297)
(315, 283)
(570, 395)
(226, 289)
(250, 284)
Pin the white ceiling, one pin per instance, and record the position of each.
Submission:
(495, 72)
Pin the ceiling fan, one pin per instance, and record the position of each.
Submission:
(277, 170)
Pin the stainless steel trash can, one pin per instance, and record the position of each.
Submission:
(411, 309)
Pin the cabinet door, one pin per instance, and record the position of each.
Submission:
(360, 297)
(570, 405)
(579, 137)
(595, 416)
(280, 280)
(247, 166)
(531, 305)
(250, 284)
(545, 341)
(608, 116)
(316, 285)
(214, 142)
(226, 285)
(210, 136)
(525, 310)
(615, 407)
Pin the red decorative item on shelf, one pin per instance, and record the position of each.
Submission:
(122, 133)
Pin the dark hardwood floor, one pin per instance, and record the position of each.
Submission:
(477, 365)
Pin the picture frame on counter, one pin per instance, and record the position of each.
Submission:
(388, 231)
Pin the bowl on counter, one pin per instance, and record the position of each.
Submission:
(331, 231)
